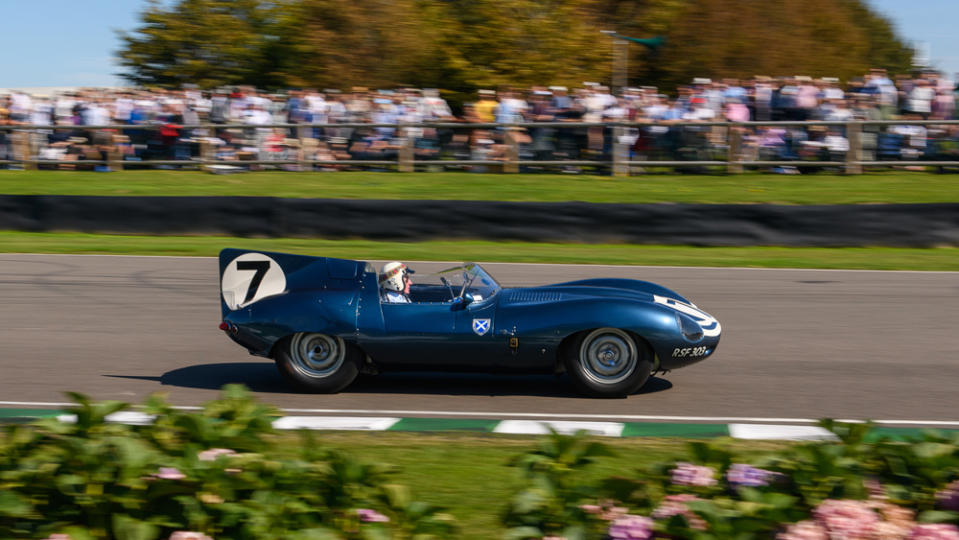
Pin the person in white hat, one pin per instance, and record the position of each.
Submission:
(395, 283)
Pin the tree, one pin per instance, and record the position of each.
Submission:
(378, 43)
(525, 42)
(207, 43)
(462, 45)
(742, 38)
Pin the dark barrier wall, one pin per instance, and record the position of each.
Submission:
(695, 224)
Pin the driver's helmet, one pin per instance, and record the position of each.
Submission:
(391, 277)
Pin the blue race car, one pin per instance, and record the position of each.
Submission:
(325, 320)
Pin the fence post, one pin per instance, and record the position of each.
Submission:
(206, 153)
(114, 156)
(734, 145)
(23, 149)
(620, 152)
(854, 155)
(405, 156)
(512, 151)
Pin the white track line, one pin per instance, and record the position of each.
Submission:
(550, 416)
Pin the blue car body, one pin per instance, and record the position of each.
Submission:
(512, 329)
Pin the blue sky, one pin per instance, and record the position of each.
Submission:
(72, 42)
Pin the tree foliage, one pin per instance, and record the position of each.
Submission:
(208, 43)
(740, 38)
(461, 45)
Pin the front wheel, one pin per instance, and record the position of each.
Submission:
(317, 362)
(608, 362)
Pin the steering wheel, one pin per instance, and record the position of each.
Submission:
(448, 286)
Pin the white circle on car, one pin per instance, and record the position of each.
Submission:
(249, 278)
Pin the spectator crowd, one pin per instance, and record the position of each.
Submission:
(365, 124)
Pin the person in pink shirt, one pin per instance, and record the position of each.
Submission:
(737, 111)
(807, 98)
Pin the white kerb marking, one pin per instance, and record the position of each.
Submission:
(346, 423)
(532, 427)
(946, 424)
(779, 432)
(131, 418)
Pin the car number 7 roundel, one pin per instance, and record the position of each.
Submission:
(251, 277)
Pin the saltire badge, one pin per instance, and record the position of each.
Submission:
(481, 326)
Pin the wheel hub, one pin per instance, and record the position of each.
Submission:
(608, 356)
(317, 355)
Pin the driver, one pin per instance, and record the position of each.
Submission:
(395, 283)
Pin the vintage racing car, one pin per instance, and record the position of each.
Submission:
(324, 322)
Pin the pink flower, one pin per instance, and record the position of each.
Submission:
(935, 531)
(189, 535)
(213, 453)
(591, 508)
(847, 519)
(605, 510)
(631, 527)
(890, 530)
(371, 516)
(675, 505)
(170, 473)
(804, 530)
(894, 514)
(58, 536)
(875, 489)
(687, 474)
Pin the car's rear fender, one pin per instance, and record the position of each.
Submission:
(260, 326)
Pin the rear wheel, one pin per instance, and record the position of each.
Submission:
(608, 362)
(317, 362)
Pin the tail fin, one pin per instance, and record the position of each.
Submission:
(247, 277)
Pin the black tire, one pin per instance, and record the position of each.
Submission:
(608, 363)
(317, 362)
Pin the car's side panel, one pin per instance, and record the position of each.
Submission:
(481, 340)
(415, 333)
(369, 317)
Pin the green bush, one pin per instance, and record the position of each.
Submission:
(217, 472)
(853, 487)
(223, 472)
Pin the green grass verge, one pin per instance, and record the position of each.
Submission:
(469, 474)
(890, 187)
(942, 259)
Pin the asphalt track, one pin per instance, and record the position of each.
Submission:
(796, 344)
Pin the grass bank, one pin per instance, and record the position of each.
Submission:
(940, 259)
(470, 474)
(888, 187)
